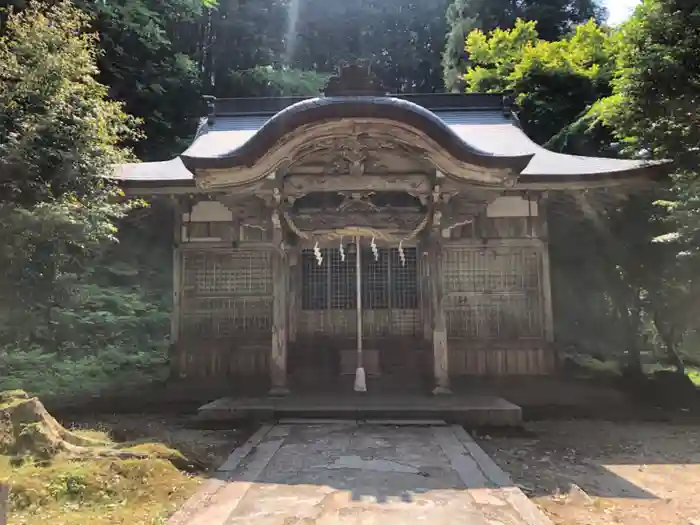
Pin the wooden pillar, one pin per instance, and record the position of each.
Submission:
(280, 288)
(176, 357)
(546, 284)
(441, 368)
(426, 311)
(294, 287)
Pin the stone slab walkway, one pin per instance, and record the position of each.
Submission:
(346, 472)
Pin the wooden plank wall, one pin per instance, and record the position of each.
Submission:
(468, 358)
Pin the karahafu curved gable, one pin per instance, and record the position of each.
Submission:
(346, 123)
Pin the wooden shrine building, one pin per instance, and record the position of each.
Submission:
(442, 196)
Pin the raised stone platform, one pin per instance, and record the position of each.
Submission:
(469, 410)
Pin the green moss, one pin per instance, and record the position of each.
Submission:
(10, 398)
(694, 375)
(95, 491)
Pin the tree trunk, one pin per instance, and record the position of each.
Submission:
(670, 343)
(633, 360)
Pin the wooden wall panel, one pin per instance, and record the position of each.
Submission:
(226, 313)
(466, 359)
(376, 323)
(219, 358)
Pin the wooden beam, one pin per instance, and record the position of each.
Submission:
(280, 289)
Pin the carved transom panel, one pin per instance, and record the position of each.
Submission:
(392, 215)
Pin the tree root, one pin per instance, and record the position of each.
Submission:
(28, 430)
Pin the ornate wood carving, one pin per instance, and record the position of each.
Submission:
(357, 213)
(298, 185)
(392, 221)
(352, 154)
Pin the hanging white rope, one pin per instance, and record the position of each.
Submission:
(342, 250)
(318, 254)
(402, 255)
(375, 250)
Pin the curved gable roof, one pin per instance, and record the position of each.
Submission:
(239, 147)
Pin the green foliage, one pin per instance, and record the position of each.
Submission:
(403, 40)
(58, 132)
(62, 323)
(554, 83)
(656, 92)
(266, 81)
(59, 137)
(655, 100)
(149, 66)
(554, 18)
(615, 288)
(72, 377)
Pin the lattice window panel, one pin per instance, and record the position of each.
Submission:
(343, 285)
(490, 270)
(376, 279)
(227, 294)
(388, 282)
(492, 293)
(237, 272)
(404, 279)
(505, 317)
(314, 288)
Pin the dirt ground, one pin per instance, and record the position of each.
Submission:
(629, 473)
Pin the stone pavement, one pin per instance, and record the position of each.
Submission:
(347, 472)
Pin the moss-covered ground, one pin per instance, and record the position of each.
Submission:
(102, 470)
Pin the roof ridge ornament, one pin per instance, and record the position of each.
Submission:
(354, 80)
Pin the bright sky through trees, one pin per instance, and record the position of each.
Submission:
(620, 10)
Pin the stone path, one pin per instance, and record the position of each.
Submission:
(343, 473)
